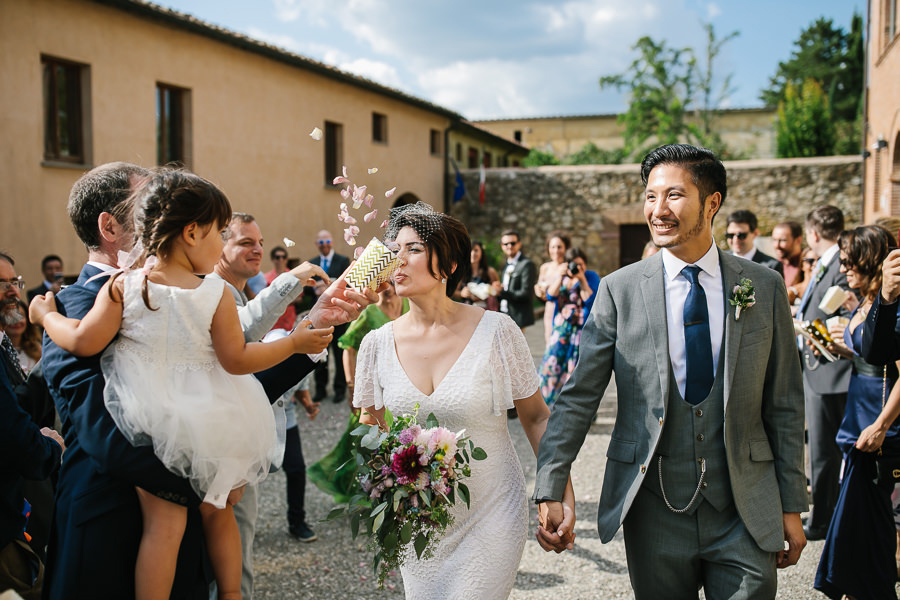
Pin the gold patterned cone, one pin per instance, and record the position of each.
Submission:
(374, 266)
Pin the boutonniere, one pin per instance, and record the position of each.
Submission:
(820, 272)
(743, 296)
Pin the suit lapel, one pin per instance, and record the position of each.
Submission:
(731, 276)
(653, 293)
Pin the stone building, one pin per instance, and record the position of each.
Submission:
(88, 82)
(748, 132)
(602, 205)
(882, 110)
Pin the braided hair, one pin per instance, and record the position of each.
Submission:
(166, 203)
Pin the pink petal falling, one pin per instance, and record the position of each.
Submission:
(369, 199)
(358, 252)
(370, 216)
(390, 192)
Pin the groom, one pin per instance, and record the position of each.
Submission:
(705, 464)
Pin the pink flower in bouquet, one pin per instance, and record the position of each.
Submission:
(442, 444)
(405, 464)
(409, 435)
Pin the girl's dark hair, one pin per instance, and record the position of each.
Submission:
(31, 337)
(483, 272)
(169, 201)
(866, 248)
(444, 237)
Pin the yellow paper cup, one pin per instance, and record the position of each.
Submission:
(374, 266)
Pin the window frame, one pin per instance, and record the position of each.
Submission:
(334, 151)
(77, 76)
(379, 128)
(435, 142)
(181, 98)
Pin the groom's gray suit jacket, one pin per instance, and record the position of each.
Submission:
(763, 394)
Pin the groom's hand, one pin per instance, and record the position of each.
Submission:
(795, 538)
(557, 529)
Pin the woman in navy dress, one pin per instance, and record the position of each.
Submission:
(858, 558)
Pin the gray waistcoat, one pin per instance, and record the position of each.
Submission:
(692, 432)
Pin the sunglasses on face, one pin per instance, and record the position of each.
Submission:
(509, 243)
(847, 263)
(809, 261)
(279, 257)
(321, 243)
(740, 236)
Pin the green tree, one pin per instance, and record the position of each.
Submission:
(666, 86)
(804, 126)
(835, 58)
(590, 154)
(538, 158)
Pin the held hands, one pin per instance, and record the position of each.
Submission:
(305, 273)
(557, 526)
(308, 340)
(41, 306)
(890, 270)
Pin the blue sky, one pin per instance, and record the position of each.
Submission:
(521, 58)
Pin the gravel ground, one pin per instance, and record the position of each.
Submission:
(337, 567)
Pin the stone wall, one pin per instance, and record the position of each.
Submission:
(594, 202)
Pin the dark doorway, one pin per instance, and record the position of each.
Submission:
(632, 239)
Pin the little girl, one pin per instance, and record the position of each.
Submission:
(177, 375)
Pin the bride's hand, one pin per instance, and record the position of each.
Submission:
(556, 531)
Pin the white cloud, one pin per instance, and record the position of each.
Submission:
(287, 10)
(713, 10)
(276, 39)
(380, 72)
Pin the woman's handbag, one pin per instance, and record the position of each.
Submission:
(886, 467)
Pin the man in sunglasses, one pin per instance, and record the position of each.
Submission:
(334, 264)
(741, 233)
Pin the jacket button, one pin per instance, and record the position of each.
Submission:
(700, 437)
(699, 412)
(643, 468)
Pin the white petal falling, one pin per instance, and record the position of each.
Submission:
(390, 192)
(373, 170)
(316, 134)
(370, 216)
(288, 242)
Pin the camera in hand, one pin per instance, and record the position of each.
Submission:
(574, 268)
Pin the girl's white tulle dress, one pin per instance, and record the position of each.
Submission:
(164, 386)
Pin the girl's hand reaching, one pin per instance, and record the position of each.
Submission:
(40, 307)
(308, 340)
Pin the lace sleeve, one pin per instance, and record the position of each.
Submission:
(511, 362)
(367, 391)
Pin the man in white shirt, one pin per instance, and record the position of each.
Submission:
(741, 233)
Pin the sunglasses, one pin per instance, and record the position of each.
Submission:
(847, 263)
(509, 243)
(280, 257)
(809, 261)
(740, 236)
(321, 243)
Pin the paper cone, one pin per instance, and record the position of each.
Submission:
(374, 266)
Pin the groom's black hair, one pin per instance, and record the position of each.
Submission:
(707, 171)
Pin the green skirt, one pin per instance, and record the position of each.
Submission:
(335, 473)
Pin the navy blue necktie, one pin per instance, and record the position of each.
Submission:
(697, 344)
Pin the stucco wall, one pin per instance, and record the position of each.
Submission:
(592, 202)
(251, 120)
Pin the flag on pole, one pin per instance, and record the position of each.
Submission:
(460, 190)
(481, 178)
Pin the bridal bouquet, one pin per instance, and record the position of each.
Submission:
(409, 477)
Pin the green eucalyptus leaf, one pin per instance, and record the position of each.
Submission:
(371, 439)
(431, 421)
(336, 513)
(388, 419)
(479, 454)
(379, 519)
(463, 493)
(406, 532)
(378, 509)
(354, 525)
(420, 543)
(362, 430)
(390, 541)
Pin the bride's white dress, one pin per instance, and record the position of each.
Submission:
(479, 555)
(165, 386)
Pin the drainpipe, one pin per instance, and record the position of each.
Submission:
(865, 121)
(447, 168)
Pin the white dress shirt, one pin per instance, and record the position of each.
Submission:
(749, 255)
(507, 273)
(677, 288)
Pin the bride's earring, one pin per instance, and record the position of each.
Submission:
(443, 280)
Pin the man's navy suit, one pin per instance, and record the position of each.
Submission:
(97, 525)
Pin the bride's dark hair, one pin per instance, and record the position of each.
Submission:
(443, 236)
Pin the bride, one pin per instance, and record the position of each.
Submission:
(467, 366)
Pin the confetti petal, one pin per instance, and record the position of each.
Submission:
(343, 207)
(384, 224)
(370, 216)
(358, 252)
(353, 229)
(345, 193)
(373, 170)
(340, 181)
(351, 241)
(390, 192)
(369, 199)
(289, 242)
(349, 220)
(316, 134)
(344, 170)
